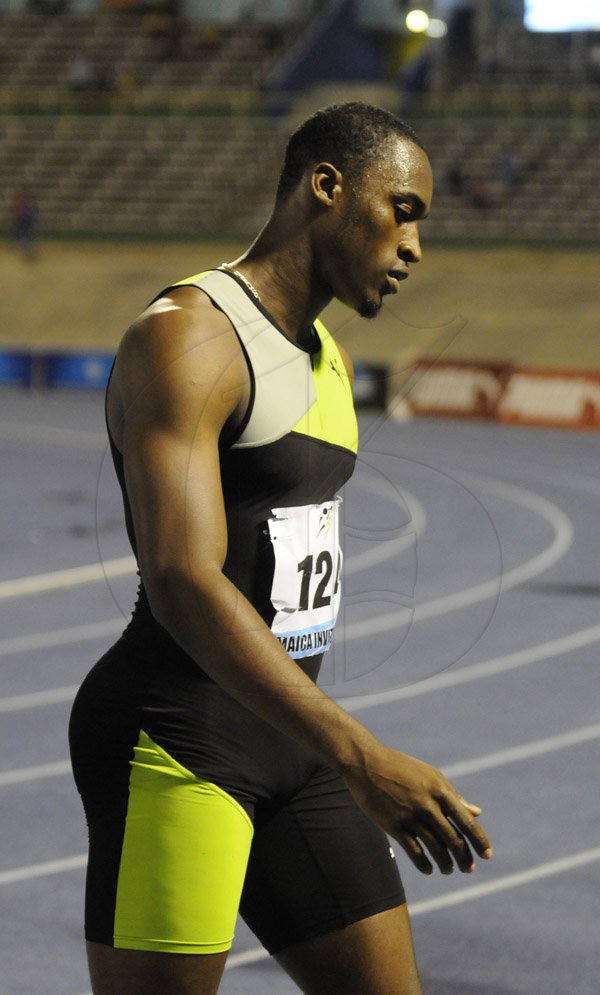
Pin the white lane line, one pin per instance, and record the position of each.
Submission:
(37, 699)
(246, 957)
(70, 577)
(379, 552)
(563, 539)
(546, 870)
(80, 438)
(477, 671)
(555, 516)
(499, 758)
(123, 565)
(357, 703)
(61, 637)
(526, 751)
(437, 606)
(42, 870)
(24, 774)
(465, 894)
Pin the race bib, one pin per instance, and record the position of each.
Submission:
(306, 582)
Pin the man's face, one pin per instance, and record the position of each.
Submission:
(377, 234)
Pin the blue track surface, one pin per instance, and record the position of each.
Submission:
(469, 638)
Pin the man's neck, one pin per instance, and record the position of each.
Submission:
(281, 271)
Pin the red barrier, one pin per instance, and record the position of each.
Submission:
(561, 398)
(456, 388)
(499, 392)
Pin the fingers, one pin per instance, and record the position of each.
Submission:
(442, 851)
(414, 850)
(463, 815)
(438, 851)
(446, 829)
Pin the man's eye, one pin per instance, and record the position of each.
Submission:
(403, 213)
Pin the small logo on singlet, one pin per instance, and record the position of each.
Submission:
(324, 520)
(334, 366)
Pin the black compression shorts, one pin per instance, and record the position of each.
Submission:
(196, 807)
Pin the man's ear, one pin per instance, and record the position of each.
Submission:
(326, 183)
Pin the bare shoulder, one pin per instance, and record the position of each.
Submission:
(347, 361)
(180, 331)
(179, 356)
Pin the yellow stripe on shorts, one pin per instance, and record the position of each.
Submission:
(183, 862)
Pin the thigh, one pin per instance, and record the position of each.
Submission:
(317, 864)
(166, 869)
(150, 973)
(373, 956)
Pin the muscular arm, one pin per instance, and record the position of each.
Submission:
(180, 377)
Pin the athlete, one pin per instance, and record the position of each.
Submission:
(215, 774)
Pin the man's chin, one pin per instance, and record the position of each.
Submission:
(369, 308)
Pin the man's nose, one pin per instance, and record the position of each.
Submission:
(409, 249)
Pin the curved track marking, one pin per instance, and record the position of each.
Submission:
(388, 549)
(477, 671)
(563, 539)
(123, 566)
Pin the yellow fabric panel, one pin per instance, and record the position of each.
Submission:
(183, 861)
(192, 279)
(332, 417)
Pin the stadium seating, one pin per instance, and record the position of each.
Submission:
(176, 142)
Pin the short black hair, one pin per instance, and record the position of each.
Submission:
(347, 135)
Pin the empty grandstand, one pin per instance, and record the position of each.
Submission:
(148, 120)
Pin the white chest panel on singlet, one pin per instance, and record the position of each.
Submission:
(282, 373)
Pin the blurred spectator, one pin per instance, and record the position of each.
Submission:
(594, 62)
(459, 48)
(455, 179)
(23, 223)
(507, 170)
(414, 83)
(208, 38)
(480, 195)
(81, 74)
(163, 27)
(48, 6)
(84, 77)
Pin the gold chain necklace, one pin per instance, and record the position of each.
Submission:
(243, 278)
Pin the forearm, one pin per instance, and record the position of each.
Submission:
(218, 627)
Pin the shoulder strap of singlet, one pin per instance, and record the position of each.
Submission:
(281, 371)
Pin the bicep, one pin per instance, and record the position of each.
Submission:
(174, 490)
(179, 386)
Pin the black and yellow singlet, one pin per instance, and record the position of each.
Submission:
(195, 806)
(281, 474)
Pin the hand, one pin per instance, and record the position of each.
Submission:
(418, 807)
